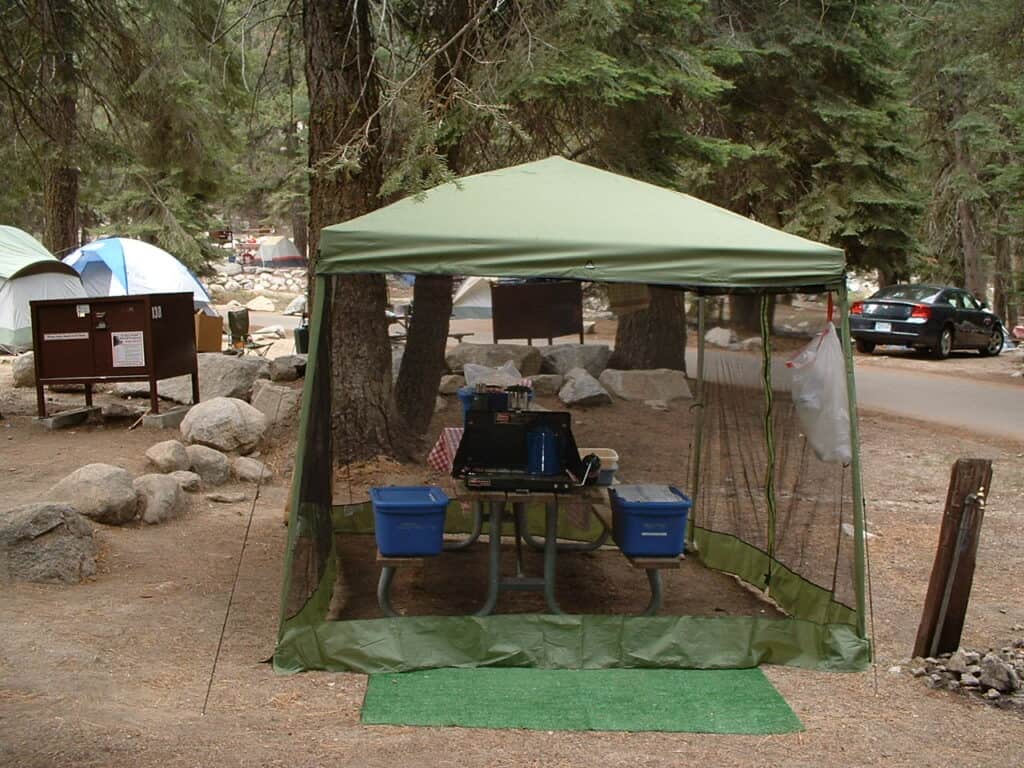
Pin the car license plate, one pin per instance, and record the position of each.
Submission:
(884, 327)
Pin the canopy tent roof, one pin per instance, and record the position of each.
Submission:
(22, 254)
(561, 219)
(121, 266)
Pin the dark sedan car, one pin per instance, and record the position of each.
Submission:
(927, 317)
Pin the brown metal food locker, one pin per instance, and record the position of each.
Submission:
(146, 337)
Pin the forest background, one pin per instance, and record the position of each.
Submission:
(891, 129)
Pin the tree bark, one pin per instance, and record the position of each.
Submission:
(745, 313)
(343, 124)
(423, 361)
(654, 337)
(1003, 273)
(60, 172)
(974, 280)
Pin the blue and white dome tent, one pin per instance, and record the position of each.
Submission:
(120, 266)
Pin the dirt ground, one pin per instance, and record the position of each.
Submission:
(113, 672)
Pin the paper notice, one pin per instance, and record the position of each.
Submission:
(129, 351)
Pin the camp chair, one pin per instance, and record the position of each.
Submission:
(238, 334)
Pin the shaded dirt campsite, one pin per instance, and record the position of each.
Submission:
(113, 672)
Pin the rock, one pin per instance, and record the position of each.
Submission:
(562, 358)
(189, 481)
(580, 388)
(296, 306)
(935, 680)
(657, 405)
(992, 694)
(952, 684)
(957, 663)
(526, 359)
(24, 370)
(280, 404)
(260, 304)
(754, 342)
(160, 498)
(168, 456)
(998, 674)
(101, 492)
(439, 404)
(969, 681)
(252, 470)
(918, 671)
(589, 327)
(720, 337)
(288, 368)
(277, 331)
(231, 286)
(227, 267)
(224, 423)
(972, 657)
(219, 376)
(547, 383)
(46, 542)
(658, 384)
(848, 530)
(450, 384)
(211, 465)
(115, 411)
(227, 498)
(895, 670)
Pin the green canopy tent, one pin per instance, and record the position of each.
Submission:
(781, 533)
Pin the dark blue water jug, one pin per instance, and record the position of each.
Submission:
(542, 452)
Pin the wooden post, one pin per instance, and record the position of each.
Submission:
(949, 589)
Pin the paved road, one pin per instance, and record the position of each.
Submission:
(976, 406)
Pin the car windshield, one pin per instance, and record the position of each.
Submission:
(926, 293)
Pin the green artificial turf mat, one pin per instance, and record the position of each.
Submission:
(682, 700)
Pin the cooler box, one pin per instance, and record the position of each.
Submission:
(409, 520)
(649, 520)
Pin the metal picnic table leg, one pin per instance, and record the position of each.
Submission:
(387, 573)
(478, 522)
(654, 578)
(497, 508)
(574, 546)
(550, 554)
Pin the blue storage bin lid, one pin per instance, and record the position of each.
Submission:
(406, 496)
(650, 494)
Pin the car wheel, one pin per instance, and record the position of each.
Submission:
(995, 344)
(865, 346)
(941, 350)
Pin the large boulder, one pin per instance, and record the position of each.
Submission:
(450, 383)
(547, 383)
(580, 388)
(220, 375)
(288, 368)
(224, 423)
(658, 384)
(160, 498)
(211, 465)
(526, 359)
(252, 470)
(101, 492)
(168, 456)
(46, 542)
(280, 404)
(562, 358)
(260, 304)
(296, 306)
(24, 370)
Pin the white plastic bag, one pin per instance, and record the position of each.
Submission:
(505, 375)
(819, 393)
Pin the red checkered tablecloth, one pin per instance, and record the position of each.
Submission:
(442, 455)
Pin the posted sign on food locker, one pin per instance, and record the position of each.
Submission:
(128, 349)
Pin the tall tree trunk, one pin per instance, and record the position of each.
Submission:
(654, 337)
(1003, 272)
(974, 280)
(1016, 301)
(60, 181)
(423, 361)
(745, 313)
(343, 100)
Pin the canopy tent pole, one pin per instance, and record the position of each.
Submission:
(858, 488)
(769, 432)
(698, 429)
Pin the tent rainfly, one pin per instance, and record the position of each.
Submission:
(278, 251)
(764, 507)
(121, 266)
(28, 272)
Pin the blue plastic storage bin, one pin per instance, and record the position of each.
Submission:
(409, 520)
(649, 520)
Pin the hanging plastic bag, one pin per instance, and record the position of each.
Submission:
(819, 394)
